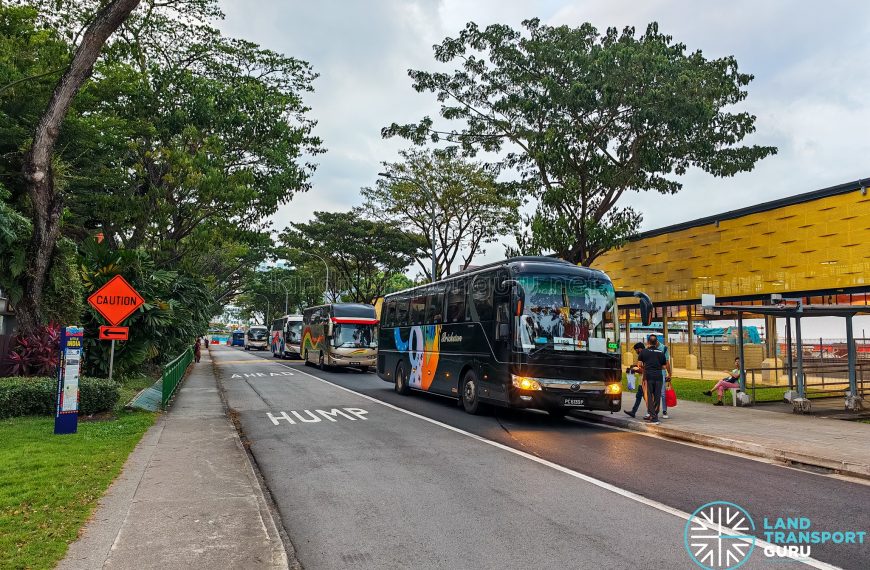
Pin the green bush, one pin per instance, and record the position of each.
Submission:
(38, 396)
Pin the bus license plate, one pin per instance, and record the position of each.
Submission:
(575, 402)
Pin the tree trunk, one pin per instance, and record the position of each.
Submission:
(46, 202)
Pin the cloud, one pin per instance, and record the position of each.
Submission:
(808, 94)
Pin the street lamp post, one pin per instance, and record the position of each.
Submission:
(286, 295)
(432, 197)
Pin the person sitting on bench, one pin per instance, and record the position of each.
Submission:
(727, 383)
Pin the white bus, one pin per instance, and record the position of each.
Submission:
(286, 336)
(257, 337)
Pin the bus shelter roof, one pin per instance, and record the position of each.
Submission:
(797, 310)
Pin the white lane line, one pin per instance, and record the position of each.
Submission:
(812, 562)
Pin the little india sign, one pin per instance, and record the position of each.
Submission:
(116, 300)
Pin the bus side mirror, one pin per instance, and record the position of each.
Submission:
(518, 296)
(329, 330)
(646, 306)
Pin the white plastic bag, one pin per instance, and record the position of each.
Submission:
(631, 381)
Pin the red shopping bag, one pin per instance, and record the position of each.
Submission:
(670, 397)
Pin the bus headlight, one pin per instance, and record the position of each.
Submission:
(614, 388)
(525, 383)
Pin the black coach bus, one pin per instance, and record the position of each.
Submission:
(532, 332)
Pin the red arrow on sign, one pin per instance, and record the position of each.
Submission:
(114, 333)
(116, 300)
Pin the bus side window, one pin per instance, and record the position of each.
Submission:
(482, 296)
(456, 302)
(390, 313)
(435, 311)
(418, 308)
(402, 312)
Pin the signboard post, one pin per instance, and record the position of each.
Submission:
(115, 301)
(69, 364)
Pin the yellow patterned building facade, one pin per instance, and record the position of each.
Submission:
(815, 244)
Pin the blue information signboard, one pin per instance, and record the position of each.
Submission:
(69, 366)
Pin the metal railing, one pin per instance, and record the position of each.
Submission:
(173, 373)
(821, 378)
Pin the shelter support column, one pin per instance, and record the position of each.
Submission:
(771, 366)
(853, 400)
(691, 359)
(740, 351)
(628, 355)
(665, 331)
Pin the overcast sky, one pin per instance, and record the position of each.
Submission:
(810, 61)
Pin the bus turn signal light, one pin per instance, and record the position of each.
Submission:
(614, 389)
(525, 383)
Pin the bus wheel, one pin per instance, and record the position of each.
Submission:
(320, 363)
(305, 358)
(470, 394)
(401, 385)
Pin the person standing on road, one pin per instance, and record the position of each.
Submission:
(652, 363)
(641, 388)
(653, 342)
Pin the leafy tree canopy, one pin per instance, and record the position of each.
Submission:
(363, 254)
(463, 200)
(585, 117)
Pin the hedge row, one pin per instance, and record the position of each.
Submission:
(38, 396)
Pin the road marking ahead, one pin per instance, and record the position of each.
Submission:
(260, 374)
(576, 474)
(310, 417)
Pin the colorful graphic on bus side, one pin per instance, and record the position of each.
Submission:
(423, 348)
(310, 342)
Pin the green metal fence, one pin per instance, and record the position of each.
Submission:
(173, 373)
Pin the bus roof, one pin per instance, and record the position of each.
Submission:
(520, 265)
(349, 310)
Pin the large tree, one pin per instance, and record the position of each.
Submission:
(363, 254)
(585, 117)
(181, 142)
(46, 202)
(461, 198)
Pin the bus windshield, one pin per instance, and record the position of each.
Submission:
(258, 333)
(567, 313)
(294, 332)
(354, 336)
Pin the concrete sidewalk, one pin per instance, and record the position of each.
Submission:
(842, 446)
(187, 497)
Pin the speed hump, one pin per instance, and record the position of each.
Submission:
(116, 300)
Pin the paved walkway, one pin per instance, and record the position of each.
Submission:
(840, 445)
(187, 497)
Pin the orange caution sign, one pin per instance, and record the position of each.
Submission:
(116, 300)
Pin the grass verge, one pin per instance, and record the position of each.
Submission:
(50, 484)
(692, 390)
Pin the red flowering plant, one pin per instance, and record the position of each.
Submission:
(36, 354)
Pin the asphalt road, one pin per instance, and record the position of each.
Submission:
(371, 486)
